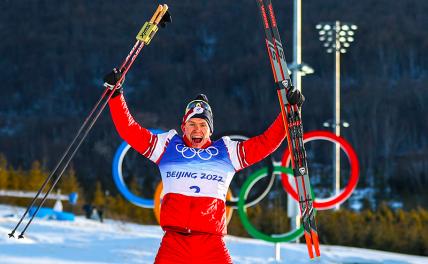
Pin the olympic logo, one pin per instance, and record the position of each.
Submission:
(243, 202)
(198, 109)
(203, 154)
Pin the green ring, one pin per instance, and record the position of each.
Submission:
(251, 180)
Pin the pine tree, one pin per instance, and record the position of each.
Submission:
(4, 173)
(99, 199)
(118, 207)
(69, 182)
(15, 180)
(36, 177)
(140, 215)
(424, 231)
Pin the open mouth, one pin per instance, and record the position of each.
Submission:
(196, 140)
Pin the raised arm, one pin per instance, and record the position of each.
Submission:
(259, 147)
(253, 150)
(141, 139)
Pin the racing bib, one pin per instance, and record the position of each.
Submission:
(196, 172)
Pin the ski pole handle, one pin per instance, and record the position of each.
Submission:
(147, 32)
(150, 28)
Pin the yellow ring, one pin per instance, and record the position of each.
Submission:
(157, 201)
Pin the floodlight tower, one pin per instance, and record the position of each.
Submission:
(336, 37)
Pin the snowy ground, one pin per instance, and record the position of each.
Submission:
(88, 241)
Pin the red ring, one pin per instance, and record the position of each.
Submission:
(350, 153)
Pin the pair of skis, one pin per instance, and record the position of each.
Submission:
(144, 36)
(293, 125)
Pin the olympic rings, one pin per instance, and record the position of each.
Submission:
(245, 189)
(118, 176)
(209, 152)
(158, 200)
(323, 204)
(240, 203)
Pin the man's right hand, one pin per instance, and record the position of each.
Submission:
(110, 80)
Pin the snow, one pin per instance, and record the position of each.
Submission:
(89, 241)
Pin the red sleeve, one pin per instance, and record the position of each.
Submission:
(259, 147)
(141, 139)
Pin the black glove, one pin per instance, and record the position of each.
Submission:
(111, 79)
(165, 19)
(294, 96)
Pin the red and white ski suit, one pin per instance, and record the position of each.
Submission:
(193, 210)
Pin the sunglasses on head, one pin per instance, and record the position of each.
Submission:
(198, 103)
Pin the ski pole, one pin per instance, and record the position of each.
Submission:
(58, 164)
(68, 148)
(80, 142)
(65, 166)
(161, 16)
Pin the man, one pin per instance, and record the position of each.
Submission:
(196, 174)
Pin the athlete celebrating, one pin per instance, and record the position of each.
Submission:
(196, 174)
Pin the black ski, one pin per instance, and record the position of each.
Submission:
(293, 124)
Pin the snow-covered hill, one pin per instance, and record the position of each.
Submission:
(88, 241)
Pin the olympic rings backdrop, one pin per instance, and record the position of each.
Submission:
(240, 202)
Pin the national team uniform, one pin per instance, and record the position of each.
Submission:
(195, 183)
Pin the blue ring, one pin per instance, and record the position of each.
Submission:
(118, 176)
